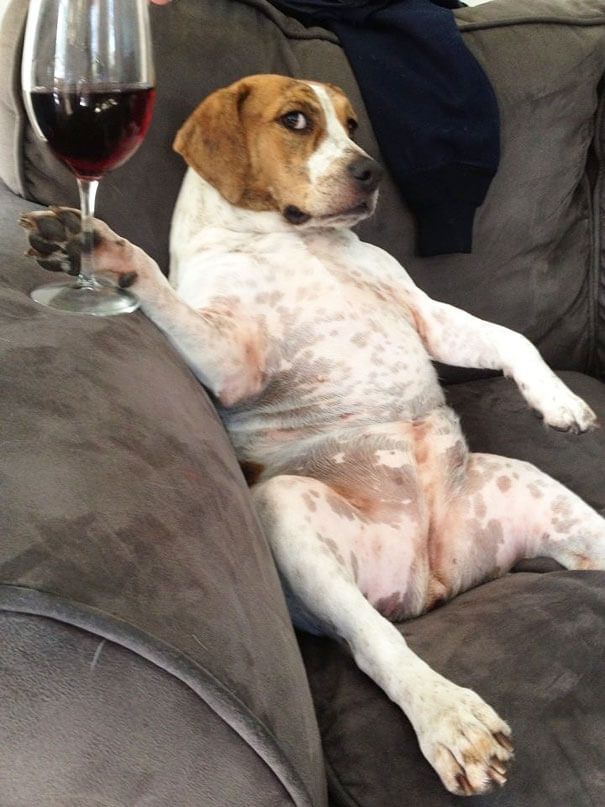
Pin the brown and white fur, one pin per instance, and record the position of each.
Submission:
(318, 348)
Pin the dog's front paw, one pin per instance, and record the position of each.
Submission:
(56, 242)
(54, 239)
(465, 741)
(564, 411)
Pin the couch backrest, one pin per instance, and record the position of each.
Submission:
(535, 265)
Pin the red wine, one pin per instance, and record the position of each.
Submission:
(94, 130)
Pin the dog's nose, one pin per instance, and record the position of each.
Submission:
(366, 173)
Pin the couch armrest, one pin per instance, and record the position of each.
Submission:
(125, 514)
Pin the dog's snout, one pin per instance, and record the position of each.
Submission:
(366, 173)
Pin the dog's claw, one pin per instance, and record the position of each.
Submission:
(497, 771)
(26, 222)
(504, 741)
(464, 785)
(53, 243)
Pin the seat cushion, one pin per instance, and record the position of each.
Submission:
(531, 644)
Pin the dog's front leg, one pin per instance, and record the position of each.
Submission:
(222, 344)
(455, 337)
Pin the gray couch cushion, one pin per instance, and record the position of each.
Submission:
(125, 513)
(87, 723)
(532, 645)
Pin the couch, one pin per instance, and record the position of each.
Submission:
(146, 655)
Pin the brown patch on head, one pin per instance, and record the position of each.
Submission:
(246, 141)
(237, 141)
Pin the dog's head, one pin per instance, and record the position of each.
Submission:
(275, 143)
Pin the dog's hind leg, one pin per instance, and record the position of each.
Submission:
(507, 510)
(312, 531)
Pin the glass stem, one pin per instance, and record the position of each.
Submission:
(88, 192)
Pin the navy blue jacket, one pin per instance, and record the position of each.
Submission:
(432, 108)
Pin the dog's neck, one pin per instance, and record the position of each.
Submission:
(213, 211)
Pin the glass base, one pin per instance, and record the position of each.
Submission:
(99, 300)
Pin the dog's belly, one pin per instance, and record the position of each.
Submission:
(340, 364)
(395, 480)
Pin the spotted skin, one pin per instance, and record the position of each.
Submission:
(317, 348)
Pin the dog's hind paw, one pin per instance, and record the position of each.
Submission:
(465, 741)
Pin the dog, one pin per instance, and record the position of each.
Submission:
(318, 350)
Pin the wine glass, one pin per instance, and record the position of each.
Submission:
(89, 89)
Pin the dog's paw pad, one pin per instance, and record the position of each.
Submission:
(55, 239)
(69, 217)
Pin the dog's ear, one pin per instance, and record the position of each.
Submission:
(213, 142)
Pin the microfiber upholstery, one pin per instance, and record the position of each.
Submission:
(87, 722)
(125, 514)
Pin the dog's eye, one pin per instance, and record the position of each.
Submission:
(296, 121)
(352, 126)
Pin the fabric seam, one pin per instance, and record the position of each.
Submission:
(506, 23)
(592, 287)
(52, 606)
(596, 269)
(18, 112)
(336, 787)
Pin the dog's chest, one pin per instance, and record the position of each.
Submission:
(341, 337)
